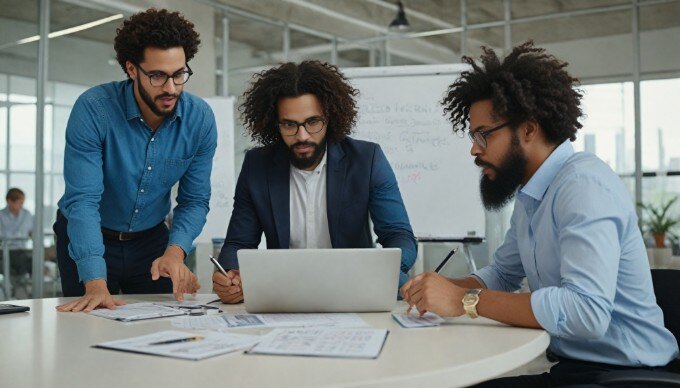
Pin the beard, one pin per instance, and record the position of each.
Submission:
(150, 101)
(302, 162)
(497, 192)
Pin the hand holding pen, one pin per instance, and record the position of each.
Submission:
(439, 268)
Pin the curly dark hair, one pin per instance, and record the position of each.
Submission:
(325, 81)
(528, 84)
(154, 28)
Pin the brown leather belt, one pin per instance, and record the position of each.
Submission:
(127, 236)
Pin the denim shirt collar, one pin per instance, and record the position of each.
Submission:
(132, 109)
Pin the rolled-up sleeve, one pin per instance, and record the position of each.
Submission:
(506, 272)
(84, 186)
(589, 239)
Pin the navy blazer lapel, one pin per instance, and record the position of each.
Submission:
(278, 178)
(335, 179)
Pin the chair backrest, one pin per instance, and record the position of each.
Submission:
(667, 289)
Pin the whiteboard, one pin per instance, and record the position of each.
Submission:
(222, 176)
(399, 108)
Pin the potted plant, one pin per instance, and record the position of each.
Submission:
(658, 222)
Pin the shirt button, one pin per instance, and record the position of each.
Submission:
(152, 139)
(136, 210)
(142, 190)
(149, 168)
(130, 230)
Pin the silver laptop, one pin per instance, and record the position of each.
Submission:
(319, 280)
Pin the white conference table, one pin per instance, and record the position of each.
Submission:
(46, 348)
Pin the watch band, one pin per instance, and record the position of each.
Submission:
(470, 301)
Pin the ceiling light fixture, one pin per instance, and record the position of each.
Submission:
(64, 31)
(400, 24)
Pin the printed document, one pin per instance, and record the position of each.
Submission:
(226, 321)
(409, 321)
(212, 344)
(137, 311)
(323, 342)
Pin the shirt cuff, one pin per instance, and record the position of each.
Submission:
(91, 268)
(545, 312)
(183, 241)
(488, 278)
(480, 280)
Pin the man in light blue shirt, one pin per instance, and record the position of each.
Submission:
(16, 224)
(127, 144)
(15, 221)
(573, 233)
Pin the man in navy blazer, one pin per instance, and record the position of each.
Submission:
(309, 185)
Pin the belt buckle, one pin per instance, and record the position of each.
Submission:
(120, 237)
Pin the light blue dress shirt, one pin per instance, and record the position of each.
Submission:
(119, 173)
(574, 235)
(16, 227)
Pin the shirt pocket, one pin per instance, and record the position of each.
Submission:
(173, 170)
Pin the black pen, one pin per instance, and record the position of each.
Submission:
(176, 341)
(446, 259)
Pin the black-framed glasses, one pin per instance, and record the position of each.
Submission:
(159, 78)
(479, 137)
(312, 125)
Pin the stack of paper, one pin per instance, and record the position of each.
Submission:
(219, 322)
(323, 342)
(212, 344)
(137, 311)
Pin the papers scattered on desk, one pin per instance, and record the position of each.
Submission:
(137, 311)
(409, 321)
(213, 344)
(187, 304)
(323, 342)
(228, 321)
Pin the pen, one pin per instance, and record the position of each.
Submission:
(446, 259)
(217, 264)
(176, 341)
(439, 268)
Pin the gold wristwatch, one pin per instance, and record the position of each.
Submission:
(470, 301)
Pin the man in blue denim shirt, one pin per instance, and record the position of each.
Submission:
(573, 233)
(127, 144)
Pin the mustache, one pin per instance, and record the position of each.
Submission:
(304, 144)
(166, 95)
(479, 162)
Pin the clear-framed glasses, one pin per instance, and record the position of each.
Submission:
(312, 125)
(479, 137)
(159, 78)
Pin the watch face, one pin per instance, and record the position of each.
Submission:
(469, 299)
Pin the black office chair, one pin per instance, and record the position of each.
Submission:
(667, 289)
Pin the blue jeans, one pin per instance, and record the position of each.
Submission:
(128, 263)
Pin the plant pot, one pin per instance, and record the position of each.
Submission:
(650, 257)
(662, 257)
(660, 240)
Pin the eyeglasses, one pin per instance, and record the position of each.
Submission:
(159, 78)
(479, 137)
(312, 125)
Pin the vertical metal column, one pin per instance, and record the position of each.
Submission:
(286, 43)
(636, 96)
(225, 56)
(386, 60)
(508, 30)
(41, 86)
(334, 51)
(463, 24)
